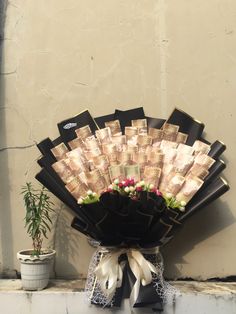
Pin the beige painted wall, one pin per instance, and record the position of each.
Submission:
(61, 56)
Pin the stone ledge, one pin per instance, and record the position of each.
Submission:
(77, 285)
(14, 285)
(67, 297)
(199, 287)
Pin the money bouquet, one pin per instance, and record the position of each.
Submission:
(131, 181)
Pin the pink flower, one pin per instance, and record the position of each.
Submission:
(126, 183)
(139, 188)
(158, 193)
(109, 190)
(120, 185)
(154, 190)
(130, 181)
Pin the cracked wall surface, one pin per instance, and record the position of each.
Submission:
(59, 57)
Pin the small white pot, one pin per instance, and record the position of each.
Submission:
(35, 270)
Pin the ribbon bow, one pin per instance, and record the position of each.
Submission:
(109, 271)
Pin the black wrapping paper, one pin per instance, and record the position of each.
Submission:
(52, 185)
(127, 220)
(214, 171)
(205, 197)
(80, 225)
(217, 148)
(155, 123)
(82, 222)
(45, 147)
(202, 139)
(50, 179)
(187, 124)
(101, 120)
(47, 144)
(119, 220)
(147, 295)
(57, 141)
(126, 116)
(63, 195)
(46, 162)
(67, 127)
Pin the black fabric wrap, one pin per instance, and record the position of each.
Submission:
(187, 125)
(67, 127)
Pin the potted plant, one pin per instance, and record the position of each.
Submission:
(36, 262)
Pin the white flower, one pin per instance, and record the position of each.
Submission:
(89, 192)
(142, 183)
(110, 186)
(80, 201)
(151, 186)
(127, 189)
(94, 194)
(183, 203)
(182, 209)
(123, 182)
(169, 195)
(131, 188)
(138, 185)
(116, 181)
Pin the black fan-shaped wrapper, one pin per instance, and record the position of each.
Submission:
(119, 221)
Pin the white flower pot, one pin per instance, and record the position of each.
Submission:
(35, 270)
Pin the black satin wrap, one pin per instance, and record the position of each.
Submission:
(155, 122)
(121, 221)
(67, 127)
(187, 124)
(118, 220)
(126, 116)
(217, 148)
(214, 172)
(205, 197)
(45, 147)
(101, 120)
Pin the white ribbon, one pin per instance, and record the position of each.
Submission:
(109, 271)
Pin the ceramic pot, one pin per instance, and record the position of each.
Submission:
(35, 270)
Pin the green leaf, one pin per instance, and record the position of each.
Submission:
(37, 217)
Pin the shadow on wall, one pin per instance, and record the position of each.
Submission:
(66, 243)
(198, 228)
(6, 237)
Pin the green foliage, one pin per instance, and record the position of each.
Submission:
(171, 202)
(37, 218)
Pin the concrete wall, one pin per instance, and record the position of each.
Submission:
(61, 56)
